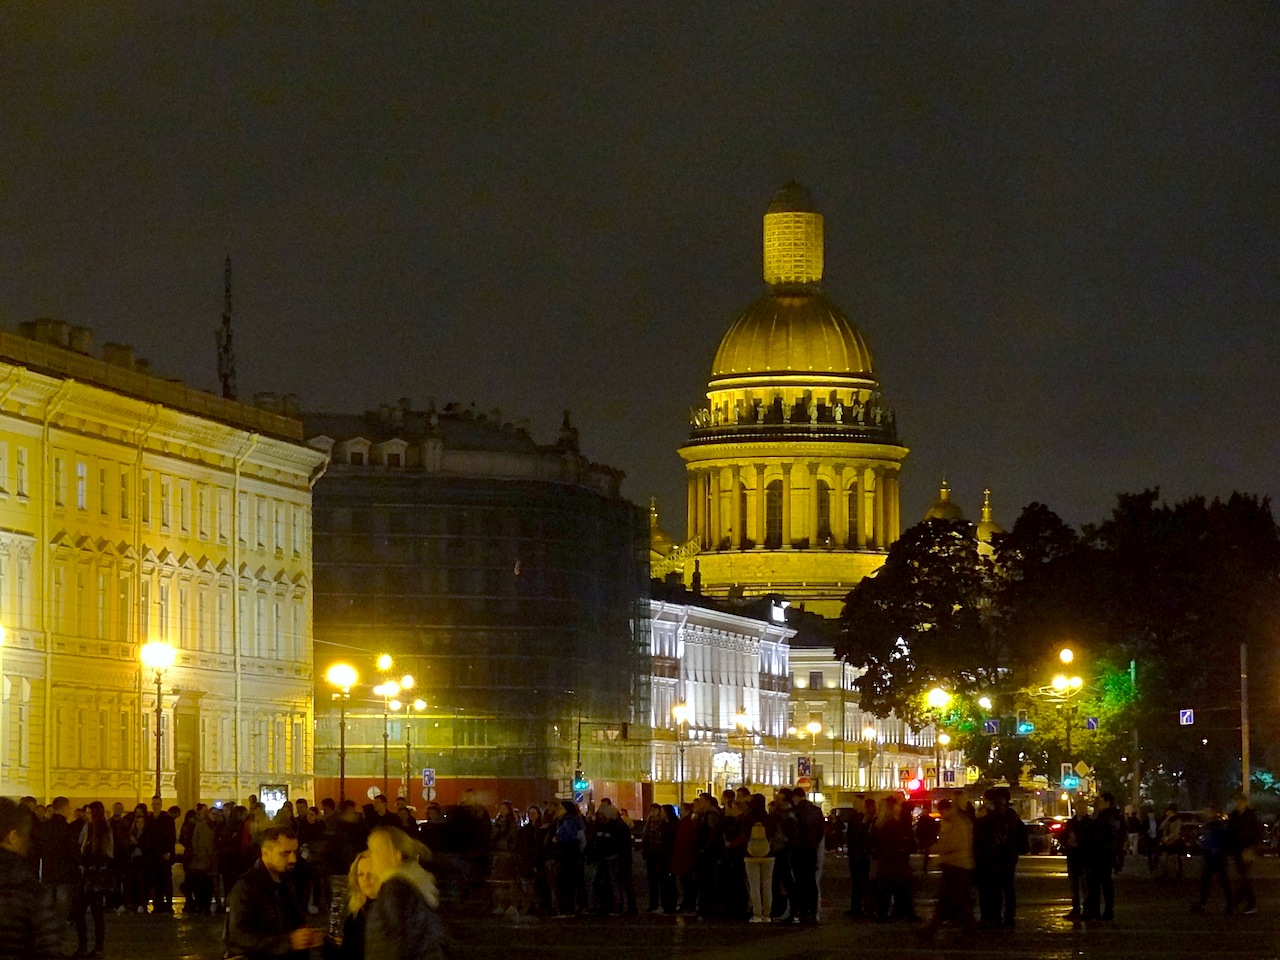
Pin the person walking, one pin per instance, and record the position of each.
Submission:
(264, 918)
(1173, 848)
(97, 848)
(953, 850)
(806, 854)
(402, 923)
(1214, 843)
(1104, 849)
(857, 840)
(1244, 836)
(999, 838)
(1074, 844)
(29, 928)
(892, 844)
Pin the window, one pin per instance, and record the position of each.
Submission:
(260, 521)
(224, 622)
(202, 511)
(815, 680)
(184, 617)
(224, 516)
(162, 612)
(103, 604)
(59, 599)
(202, 618)
(393, 459)
(122, 607)
(59, 482)
(278, 648)
(21, 478)
(20, 594)
(126, 510)
(260, 634)
(166, 506)
(296, 631)
(295, 528)
(184, 506)
(357, 459)
(277, 542)
(146, 499)
(773, 515)
(855, 531)
(299, 745)
(82, 485)
(242, 518)
(104, 502)
(824, 513)
(4, 468)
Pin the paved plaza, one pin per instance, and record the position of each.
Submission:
(1152, 919)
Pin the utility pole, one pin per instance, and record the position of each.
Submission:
(1137, 763)
(226, 350)
(1244, 720)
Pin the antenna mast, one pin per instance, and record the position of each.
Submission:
(226, 352)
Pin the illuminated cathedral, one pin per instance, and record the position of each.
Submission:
(793, 463)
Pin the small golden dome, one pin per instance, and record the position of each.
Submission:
(944, 508)
(987, 526)
(792, 331)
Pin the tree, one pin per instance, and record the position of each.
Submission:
(919, 620)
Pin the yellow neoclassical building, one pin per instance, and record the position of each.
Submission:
(793, 463)
(134, 509)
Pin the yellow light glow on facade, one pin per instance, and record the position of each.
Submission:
(742, 721)
(937, 698)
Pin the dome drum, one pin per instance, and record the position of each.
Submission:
(803, 419)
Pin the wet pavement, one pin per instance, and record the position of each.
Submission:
(1152, 919)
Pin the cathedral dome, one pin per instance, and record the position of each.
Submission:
(944, 508)
(792, 331)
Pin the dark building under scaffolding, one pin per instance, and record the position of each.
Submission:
(508, 578)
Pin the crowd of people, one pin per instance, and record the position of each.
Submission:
(740, 856)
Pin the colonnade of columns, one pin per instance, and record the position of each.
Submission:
(862, 509)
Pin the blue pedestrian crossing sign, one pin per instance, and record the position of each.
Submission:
(991, 727)
(1091, 723)
(1186, 717)
(428, 777)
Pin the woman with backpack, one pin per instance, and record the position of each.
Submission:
(758, 827)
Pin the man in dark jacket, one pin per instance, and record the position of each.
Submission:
(811, 829)
(158, 844)
(999, 838)
(264, 916)
(1244, 835)
(29, 929)
(1104, 846)
(58, 851)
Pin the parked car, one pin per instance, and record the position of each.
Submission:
(1054, 826)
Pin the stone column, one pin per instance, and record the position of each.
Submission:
(813, 504)
(839, 509)
(692, 514)
(895, 517)
(700, 483)
(878, 513)
(860, 510)
(786, 505)
(760, 507)
(735, 506)
(714, 524)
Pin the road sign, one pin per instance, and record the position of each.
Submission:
(905, 774)
(931, 773)
(948, 776)
(579, 798)
(374, 792)
(428, 777)
(1083, 769)
(804, 767)
(991, 727)
(1091, 723)
(805, 784)
(1070, 783)
(1186, 717)
(1068, 770)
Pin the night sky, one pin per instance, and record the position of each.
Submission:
(1055, 224)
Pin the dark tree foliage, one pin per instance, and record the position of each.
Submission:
(918, 621)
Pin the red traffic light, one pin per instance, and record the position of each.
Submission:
(913, 785)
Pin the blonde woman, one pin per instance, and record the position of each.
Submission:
(402, 922)
(363, 884)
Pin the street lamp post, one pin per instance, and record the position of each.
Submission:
(342, 676)
(743, 722)
(388, 690)
(158, 656)
(409, 707)
(681, 713)
(941, 743)
(869, 735)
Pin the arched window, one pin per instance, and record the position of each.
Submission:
(773, 515)
(824, 514)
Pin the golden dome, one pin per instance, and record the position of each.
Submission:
(944, 508)
(792, 331)
(987, 526)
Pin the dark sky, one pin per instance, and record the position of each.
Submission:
(1055, 224)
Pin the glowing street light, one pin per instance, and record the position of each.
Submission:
(342, 677)
(158, 656)
(985, 703)
(743, 723)
(814, 728)
(937, 698)
(1066, 655)
(681, 713)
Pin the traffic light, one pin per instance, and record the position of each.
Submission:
(1071, 783)
(913, 785)
(1025, 726)
(580, 783)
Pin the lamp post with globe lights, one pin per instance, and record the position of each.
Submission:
(158, 656)
(342, 677)
(409, 707)
(743, 723)
(681, 713)
(870, 736)
(388, 690)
